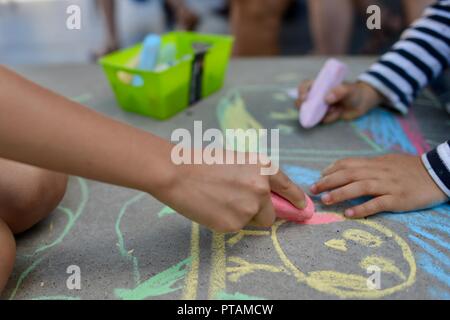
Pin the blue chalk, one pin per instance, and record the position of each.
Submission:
(168, 54)
(148, 57)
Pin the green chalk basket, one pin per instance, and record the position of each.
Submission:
(165, 93)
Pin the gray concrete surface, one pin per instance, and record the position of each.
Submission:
(129, 246)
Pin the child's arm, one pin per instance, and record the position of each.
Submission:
(44, 129)
(421, 55)
(397, 182)
(413, 62)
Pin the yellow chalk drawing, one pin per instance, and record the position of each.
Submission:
(289, 114)
(238, 237)
(329, 281)
(284, 129)
(386, 265)
(191, 283)
(244, 267)
(363, 238)
(232, 114)
(351, 285)
(337, 244)
(279, 96)
(348, 285)
(217, 282)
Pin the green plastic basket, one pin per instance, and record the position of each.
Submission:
(165, 93)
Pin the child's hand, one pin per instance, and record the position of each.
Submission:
(347, 101)
(226, 198)
(397, 183)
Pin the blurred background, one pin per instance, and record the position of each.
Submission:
(34, 31)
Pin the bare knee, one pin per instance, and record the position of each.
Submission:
(7, 254)
(39, 198)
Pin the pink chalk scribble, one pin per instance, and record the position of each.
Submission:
(411, 129)
(323, 218)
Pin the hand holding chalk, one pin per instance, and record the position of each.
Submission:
(314, 109)
(285, 210)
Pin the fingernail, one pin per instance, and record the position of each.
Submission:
(326, 198)
(301, 204)
(313, 188)
(349, 213)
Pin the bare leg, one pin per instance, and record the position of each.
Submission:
(331, 25)
(414, 9)
(256, 26)
(108, 10)
(186, 18)
(28, 194)
(7, 254)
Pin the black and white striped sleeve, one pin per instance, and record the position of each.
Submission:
(437, 163)
(421, 54)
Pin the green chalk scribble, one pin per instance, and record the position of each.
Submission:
(56, 298)
(289, 114)
(82, 98)
(160, 284)
(72, 218)
(121, 244)
(366, 139)
(166, 211)
(236, 296)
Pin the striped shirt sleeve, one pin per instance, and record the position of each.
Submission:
(422, 53)
(437, 162)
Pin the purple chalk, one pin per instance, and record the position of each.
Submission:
(314, 109)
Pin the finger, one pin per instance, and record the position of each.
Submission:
(354, 190)
(347, 163)
(333, 114)
(283, 186)
(266, 216)
(341, 178)
(371, 207)
(350, 114)
(337, 94)
(303, 91)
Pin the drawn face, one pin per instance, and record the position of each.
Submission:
(338, 258)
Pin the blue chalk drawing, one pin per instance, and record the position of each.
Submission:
(385, 130)
(438, 294)
(430, 230)
(301, 175)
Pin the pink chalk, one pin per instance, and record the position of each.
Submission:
(285, 210)
(314, 109)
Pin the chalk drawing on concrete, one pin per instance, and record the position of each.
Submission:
(428, 229)
(40, 253)
(162, 283)
(383, 132)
